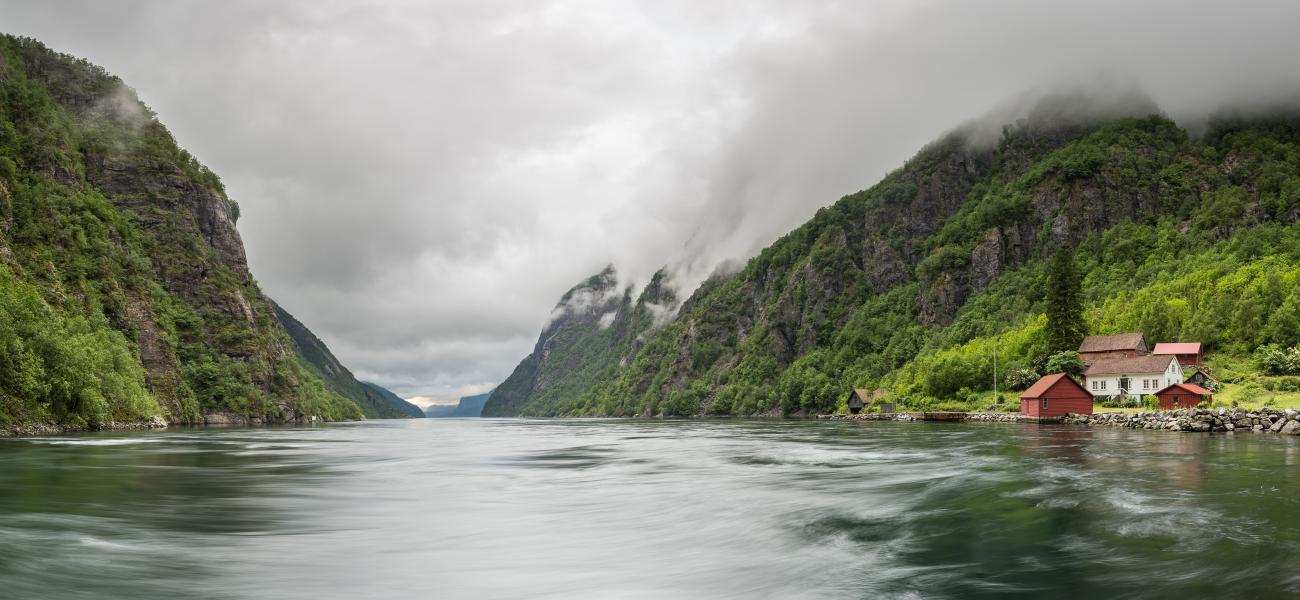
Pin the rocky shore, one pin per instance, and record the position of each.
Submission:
(1285, 422)
(1198, 419)
(214, 419)
(27, 429)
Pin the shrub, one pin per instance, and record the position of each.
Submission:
(1020, 379)
(1150, 401)
(1275, 360)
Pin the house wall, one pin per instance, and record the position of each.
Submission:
(1108, 385)
(1184, 398)
(1091, 356)
(1056, 407)
(1062, 398)
(1189, 359)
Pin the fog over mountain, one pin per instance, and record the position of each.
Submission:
(419, 181)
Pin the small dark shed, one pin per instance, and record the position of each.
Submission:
(1183, 395)
(1055, 395)
(858, 398)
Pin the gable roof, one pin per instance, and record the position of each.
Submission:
(1152, 363)
(1045, 383)
(1190, 387)
(1178, 348)
(1106, 343)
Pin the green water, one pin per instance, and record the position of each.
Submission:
(487, 509)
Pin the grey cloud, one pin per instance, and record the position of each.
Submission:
(421, 181)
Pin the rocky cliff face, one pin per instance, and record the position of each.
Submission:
(112, 231)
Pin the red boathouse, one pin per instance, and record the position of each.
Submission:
(1055, 396)
(1183, 395)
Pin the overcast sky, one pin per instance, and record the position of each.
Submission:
(421, 181)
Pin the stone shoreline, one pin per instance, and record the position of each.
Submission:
(29, 429)
(209, 420)
(1198, 419)
(1286, 422)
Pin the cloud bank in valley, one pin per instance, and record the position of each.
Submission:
(420, 181)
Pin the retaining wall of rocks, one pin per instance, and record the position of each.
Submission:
(1198, 419)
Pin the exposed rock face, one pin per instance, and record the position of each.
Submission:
(150, 251)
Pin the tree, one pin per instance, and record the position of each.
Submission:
(1066, 361)
(1065, 326)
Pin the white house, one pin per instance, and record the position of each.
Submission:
(1134, 377)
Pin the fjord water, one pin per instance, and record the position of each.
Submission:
(649, 509)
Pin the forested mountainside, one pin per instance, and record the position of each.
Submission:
(374, 400)
(124, 290)
(910, 286)
(595, 330)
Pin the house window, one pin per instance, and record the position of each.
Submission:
(1044, 403)
(1103, 384)
(1094, 384)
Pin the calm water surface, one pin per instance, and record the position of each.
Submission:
(487, 509)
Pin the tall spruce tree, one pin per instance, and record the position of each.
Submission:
(1065, 326)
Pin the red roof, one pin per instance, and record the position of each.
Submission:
(1041, 386)
(1190, 387)
(1178, 348)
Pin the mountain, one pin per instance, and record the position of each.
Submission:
(594, 330)
(124, 290)
(376, 402)
(469, 406)
(911, 285)
(394, 404)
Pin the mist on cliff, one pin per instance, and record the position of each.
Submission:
(421, 181)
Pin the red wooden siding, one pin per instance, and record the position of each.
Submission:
(1183, 395)
(1061, 395)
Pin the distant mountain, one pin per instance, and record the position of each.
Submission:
(376, 402)
(394, 401)
(469, 406)
(913, 285)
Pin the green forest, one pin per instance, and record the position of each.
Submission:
(124, 293)
(913, 285)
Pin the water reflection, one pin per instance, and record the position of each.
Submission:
(649, 509)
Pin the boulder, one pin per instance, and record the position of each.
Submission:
(1291, 428)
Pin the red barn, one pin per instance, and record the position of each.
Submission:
(1123, 345)
(1183, 395)
(1188, 353)
(1055, 396)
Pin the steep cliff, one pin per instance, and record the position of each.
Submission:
(912, 284)
(126, 291)
(375, 401)
(594, 330)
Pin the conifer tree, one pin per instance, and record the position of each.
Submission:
(1065, 325)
